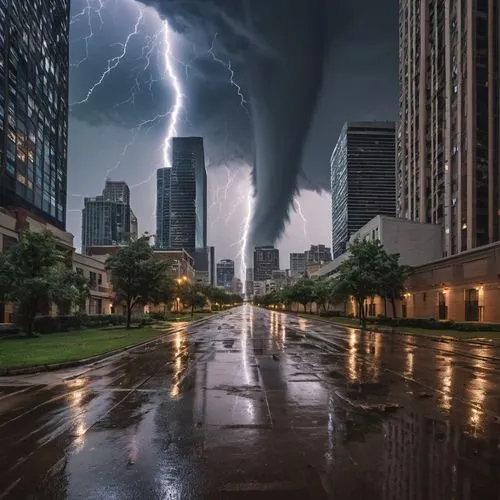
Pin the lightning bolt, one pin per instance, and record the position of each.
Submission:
(178, 96)
(298, 209)
(88, 12)
(115, 61)
(228, 66)
(244, 242)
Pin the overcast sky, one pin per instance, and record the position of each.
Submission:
(330, 61)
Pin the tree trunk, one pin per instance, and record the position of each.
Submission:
(192, 311)
(129, 314)
(30, 325)
(394, 313)
(385, 307)
(362, 317)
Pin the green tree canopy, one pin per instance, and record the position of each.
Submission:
(136, 275)
(34, 274)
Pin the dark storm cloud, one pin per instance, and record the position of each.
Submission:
(292, 54)
(305, 67)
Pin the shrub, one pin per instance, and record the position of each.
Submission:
(331, 314)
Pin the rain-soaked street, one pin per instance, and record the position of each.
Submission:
(246, 406)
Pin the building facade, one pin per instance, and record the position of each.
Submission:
(249, 282)
(188, 195)
(106, 219)
(297, 264)
(266, 259)
(363, 180)
(225, 273)
(448, 169)
(318, 254)
(163, 208)
(204, 264)
(34, 107)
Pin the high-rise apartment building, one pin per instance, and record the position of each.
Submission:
(449, 134)
(297, 264)
(188, 194)
(363, 166)
(163, 208)
(34, 107)
(106, 219)
(266, 259)
(225, 273)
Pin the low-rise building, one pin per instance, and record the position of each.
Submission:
(101, 294)
(416, 243)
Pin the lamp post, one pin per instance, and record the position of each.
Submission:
(178, 300)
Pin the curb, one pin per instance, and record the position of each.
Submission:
(29, 370)
(443, 338)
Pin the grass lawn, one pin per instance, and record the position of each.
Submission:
(69, 346)
(354, 323)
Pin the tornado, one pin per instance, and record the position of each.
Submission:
(279, 47)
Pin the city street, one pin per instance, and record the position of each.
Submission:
(246, 406)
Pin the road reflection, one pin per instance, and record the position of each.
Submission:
(76, 397)
(180, 361)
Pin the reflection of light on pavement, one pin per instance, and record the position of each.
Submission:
(302, 323)
(75, 401)
(352, 361)
(446, 383)
(477, 391)
(375, 348)
(410, 355)
(246, 329)
(329, 455)
(174, 392)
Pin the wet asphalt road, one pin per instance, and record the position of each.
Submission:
(244, 406)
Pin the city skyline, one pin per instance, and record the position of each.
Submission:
(114, 122)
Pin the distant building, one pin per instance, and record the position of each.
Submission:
(134, 226)
(163, 208)
(237, 286)
(34, 70)
(297, 264)
(266, 259)
(106, 219)
(204, 263)
(363, 178)
(188, 195)
(318, 254)
(225, 273)
(182, 263)
(249, 282)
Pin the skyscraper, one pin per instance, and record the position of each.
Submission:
(188, 195)
(449, 134)
(163, 208)
(106, 219)
(34, 107)
(266, 259)
(363, 166)
(225, 273)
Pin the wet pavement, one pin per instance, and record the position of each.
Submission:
(247, 406)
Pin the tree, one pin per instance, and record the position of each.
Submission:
(136, 275)
(360, 275)
(393, 277)
(303, 292)
(166, 292)
(73, 289)
(33, 275)
(322, 293)
(192, 297)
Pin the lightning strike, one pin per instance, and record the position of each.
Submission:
(228, 66)
(244, 241)
(178, 96)
(88, 10)
(115, 61)
(298, 209)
